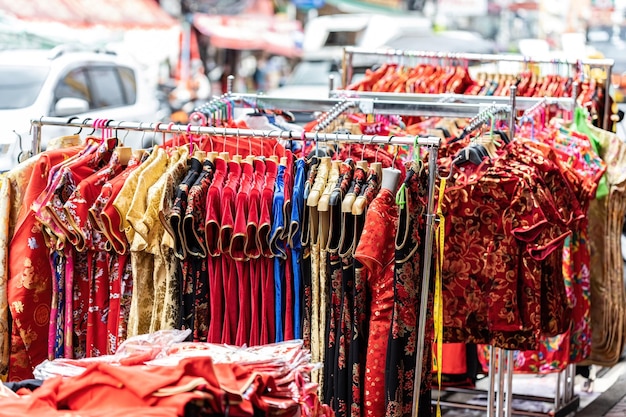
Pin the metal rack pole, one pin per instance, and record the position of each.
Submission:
(607, 98)
(510, 367)
(365, 105)
(512, 115)
(491, 393)
(425, 290)
(522, 103)
(500, 381)
(475, 57)
(217, 131)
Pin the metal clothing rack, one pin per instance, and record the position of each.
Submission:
(476, 110)
(605, 64)
(522, 103)
(365, 105)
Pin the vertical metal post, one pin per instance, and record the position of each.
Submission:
(346, 74)
(574, 98)
(512, 115)
(510, 367)
(500, 393)
(572, 381)
(607, 90)
(229, 84)
(36, 145)
(425, 291)
(557, 396)
(331, 84)
(492, 381)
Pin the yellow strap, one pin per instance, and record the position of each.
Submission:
(438, 307)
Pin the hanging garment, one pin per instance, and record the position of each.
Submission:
(29, 282)
(197, 278)
(402, 345)
(376, 252)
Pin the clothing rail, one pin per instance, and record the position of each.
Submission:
(523, 103)
(159, 127)
(432, 142)
(366, 105)
(606, 64)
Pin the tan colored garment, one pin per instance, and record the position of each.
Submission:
(142, 262)
(166, 263)
(161, 273)
(606, 218)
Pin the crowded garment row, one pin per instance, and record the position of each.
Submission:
(246, 242)
(240, 249)
(429, 78)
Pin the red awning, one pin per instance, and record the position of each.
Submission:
(252, 32)
(122, 14)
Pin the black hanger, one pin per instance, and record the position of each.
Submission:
(503, 135)
(474, 153)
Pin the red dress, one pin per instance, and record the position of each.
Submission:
(376, 252)
(253, 250)
(229, 272)
(268, 319)
(29, 286)
(211, 229)
(237, 248)
(92, 240)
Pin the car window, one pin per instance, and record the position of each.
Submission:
(129, 83)
(20, 85)
(106, 87)
(73, 85)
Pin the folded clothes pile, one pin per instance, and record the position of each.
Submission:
(176, 379)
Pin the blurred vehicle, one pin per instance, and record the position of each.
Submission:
(65, 82)
(322, 50)
(451, 41)
(326, 37)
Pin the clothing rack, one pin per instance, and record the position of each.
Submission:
(606, 64)
(523, 103)
(368, 106)
(431, 142)
(394, 106)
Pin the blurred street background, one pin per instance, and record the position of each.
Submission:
(188, 48)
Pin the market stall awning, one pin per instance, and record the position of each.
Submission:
(122, 14)
(274, 34)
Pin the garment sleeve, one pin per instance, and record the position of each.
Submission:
(527, 221)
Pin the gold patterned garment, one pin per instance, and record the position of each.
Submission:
(12, 187)
(125, 197)
(152, 223)
(606, 218)
(141, 260)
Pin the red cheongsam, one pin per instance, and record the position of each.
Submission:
(376, 251)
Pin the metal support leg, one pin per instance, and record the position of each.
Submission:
(510, 367)
(501, 378)
(492, 380)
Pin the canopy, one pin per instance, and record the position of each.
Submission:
(122, 14)
(271, 33)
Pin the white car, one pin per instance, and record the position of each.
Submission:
(66, 83)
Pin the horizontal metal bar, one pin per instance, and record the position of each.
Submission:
(571, 406)
(477, 57)
(521, 103)
(395, 107)
(217, 131)
(457, 390)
